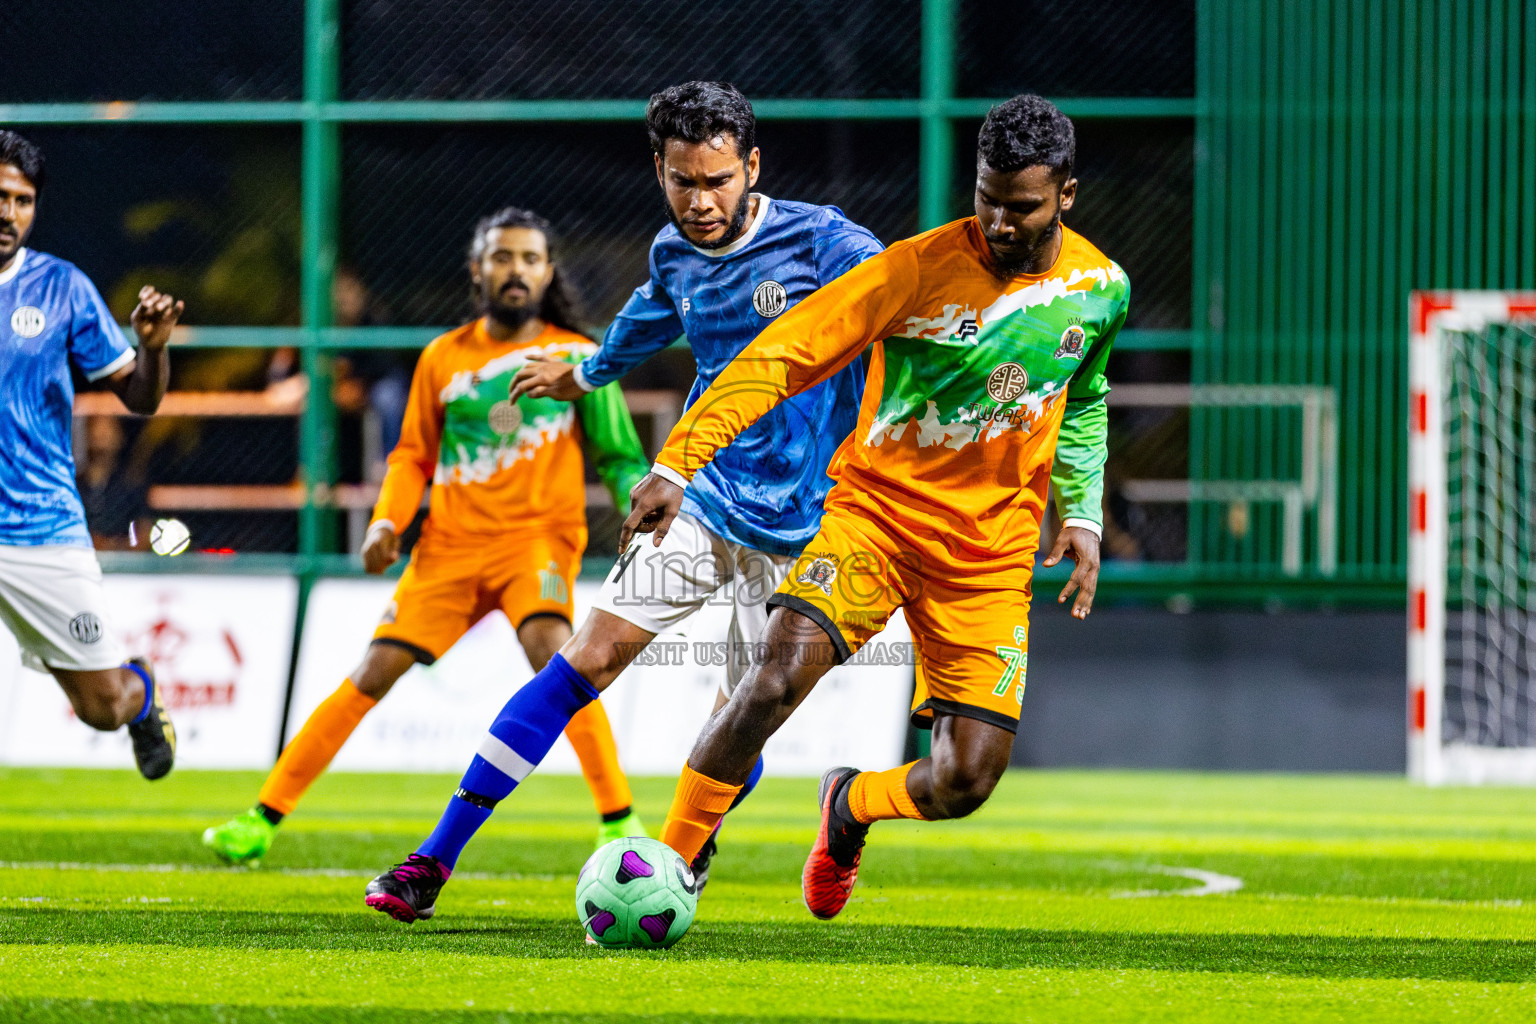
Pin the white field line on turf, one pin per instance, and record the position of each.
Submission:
(207, 869)
(1211, 883)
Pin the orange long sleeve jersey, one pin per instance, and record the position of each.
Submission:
(496, 466)
(972, 382)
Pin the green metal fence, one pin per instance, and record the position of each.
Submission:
(1350, 151)
(1274, 176)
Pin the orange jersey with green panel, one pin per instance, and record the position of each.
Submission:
(982, 393)
(507, 524)
(497, 466)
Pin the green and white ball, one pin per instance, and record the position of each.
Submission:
(636, 893)
(169, 537)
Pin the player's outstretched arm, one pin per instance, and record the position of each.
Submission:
(546, 377)
(1082, 546)
(141, 384)
(653, 504)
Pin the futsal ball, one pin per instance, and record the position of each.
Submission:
(636, 893)
(169, 537)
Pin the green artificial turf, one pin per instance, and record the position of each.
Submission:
(1362, 899)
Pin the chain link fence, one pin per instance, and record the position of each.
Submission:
(599, 49)
(132, 50)
(212, 212)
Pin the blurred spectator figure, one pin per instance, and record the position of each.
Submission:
(114, 495)
(363, 379)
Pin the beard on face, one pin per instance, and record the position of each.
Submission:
(732, 230)
(1026, 259)
(10, 240)
(512, 315)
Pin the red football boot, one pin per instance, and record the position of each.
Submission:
(833, 865)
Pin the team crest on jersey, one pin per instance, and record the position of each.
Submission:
(28, 321)
(1007, 382)
(85, 627)
(820, 573)
(769, 299)
(505, 417)
(1071, 346)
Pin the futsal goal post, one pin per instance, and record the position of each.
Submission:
(1472, 537)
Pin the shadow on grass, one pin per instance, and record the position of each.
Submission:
(1296, 955)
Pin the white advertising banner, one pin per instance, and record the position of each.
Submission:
(435, 716)
(220, 646)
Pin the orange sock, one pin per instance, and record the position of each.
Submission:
(308, 753)
(880, 796)
(591, 735)
(697, 808)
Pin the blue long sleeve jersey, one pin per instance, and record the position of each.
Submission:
(766, 489)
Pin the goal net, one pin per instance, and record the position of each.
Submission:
(1472, 538)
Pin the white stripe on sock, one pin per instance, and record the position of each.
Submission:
(505, 759)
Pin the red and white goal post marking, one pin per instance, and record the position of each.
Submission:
(1430, 760)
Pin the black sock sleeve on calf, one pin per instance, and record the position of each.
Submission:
(273, 817)
(618, 815)
(476, 799)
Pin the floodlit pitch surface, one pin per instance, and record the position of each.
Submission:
(1362, 899)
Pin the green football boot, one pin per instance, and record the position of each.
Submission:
(627, 826)
(243, 839)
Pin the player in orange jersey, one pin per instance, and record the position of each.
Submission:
(986, 388)
(507, 524)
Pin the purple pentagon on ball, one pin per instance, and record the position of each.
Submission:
(598, 919)
(633, 866)
(657, 925)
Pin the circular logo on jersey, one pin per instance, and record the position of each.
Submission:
(28, 321)
(85, 628)
(1007, 382)
(505, 418)
(1071, 343)
(769, 299)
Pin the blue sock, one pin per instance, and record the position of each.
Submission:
(519, 738)
(149, 691)
(750, 784)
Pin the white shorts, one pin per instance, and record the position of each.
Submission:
(658, 588)
(51, 598)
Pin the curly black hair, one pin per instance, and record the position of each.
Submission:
(698, 112)
(1027, 131)
(23, 155)
(562, 304)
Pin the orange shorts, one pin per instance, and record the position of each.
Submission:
(448, 588)
(972, 643)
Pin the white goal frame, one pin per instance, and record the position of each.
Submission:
(1430, 760)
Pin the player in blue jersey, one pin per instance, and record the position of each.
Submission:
(731, 261)
(52, 318)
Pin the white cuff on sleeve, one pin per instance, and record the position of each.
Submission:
(1086, 524)
(123, 359)
(382, 522)
(581, 379)
(670, 475)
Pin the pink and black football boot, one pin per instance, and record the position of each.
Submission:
(408, 892)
